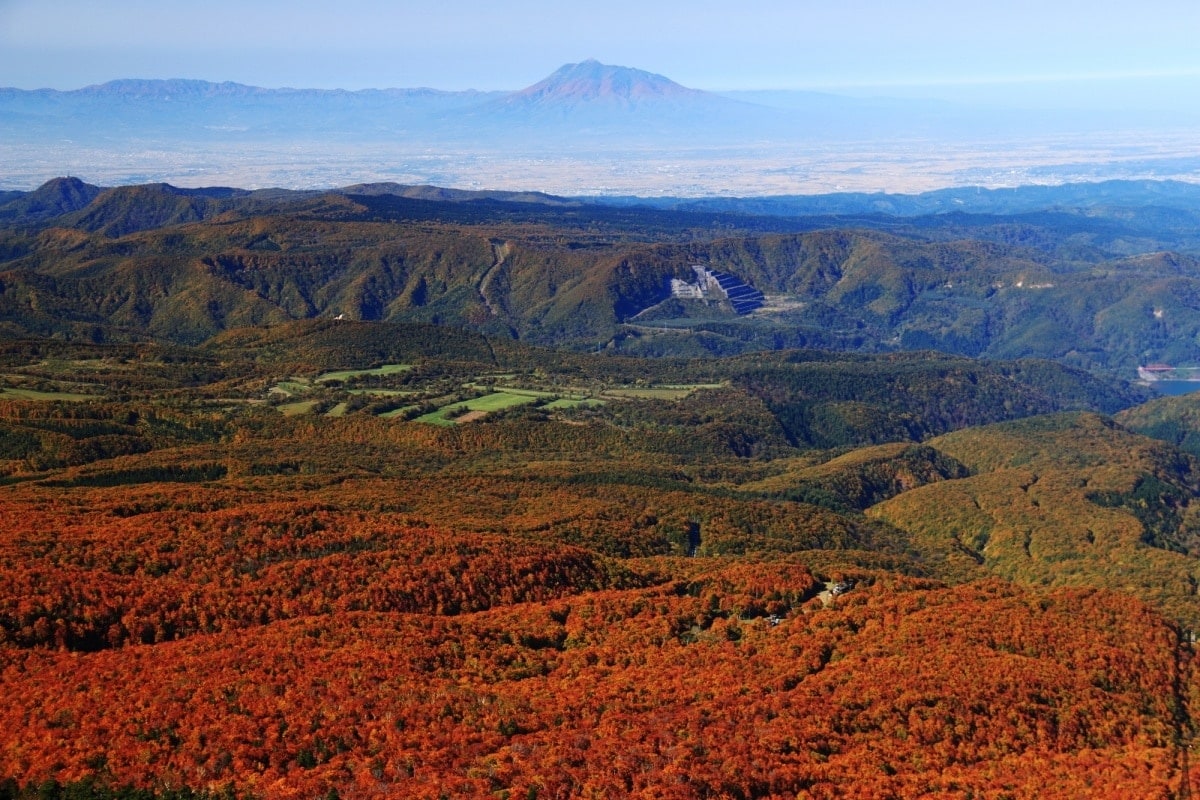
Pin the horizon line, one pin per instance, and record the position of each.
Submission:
(811, 86)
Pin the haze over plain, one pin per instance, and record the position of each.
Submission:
(891, 98)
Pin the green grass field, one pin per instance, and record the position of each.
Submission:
(437, 417)
(534, 393)
(292, 387)
(296, 409)
(502, 399)
(496, 401)
(497, 398)
(31, 394)
(344, 374)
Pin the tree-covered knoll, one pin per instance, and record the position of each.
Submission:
(1070, 500)
(1172, 419)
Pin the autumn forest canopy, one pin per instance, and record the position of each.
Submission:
(398, 490)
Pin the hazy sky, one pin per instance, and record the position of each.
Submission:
(508, 44)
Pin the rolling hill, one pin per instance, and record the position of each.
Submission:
(1091, 289)
(203, 586)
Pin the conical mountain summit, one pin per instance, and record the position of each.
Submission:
(590, 81)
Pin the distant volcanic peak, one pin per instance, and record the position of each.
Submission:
(591, 81)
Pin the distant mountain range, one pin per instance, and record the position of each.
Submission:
(589, 126)
(1128, 201)
(588, 100)
(572, 100)
(583, 99)
(1142, 194)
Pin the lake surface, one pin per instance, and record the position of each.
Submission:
(1175, 387)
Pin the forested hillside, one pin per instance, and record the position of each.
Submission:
(376, 492)
(248, 569)
(1099, 288)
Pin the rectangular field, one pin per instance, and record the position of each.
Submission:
(296, 409)
(341, 375)
(496, 401)
(31, 394)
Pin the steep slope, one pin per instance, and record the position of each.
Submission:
(191, 282)
(1063, 501)
(862, 478)
(554, 271)
(129, 209)
(827, 400)
(1172, 419)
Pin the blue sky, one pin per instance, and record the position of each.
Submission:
(949, 47)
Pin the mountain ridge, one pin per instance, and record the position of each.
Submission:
(1096, 197)
(586, 80)
(1098, 290)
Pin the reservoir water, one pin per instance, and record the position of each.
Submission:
(1175, 387)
